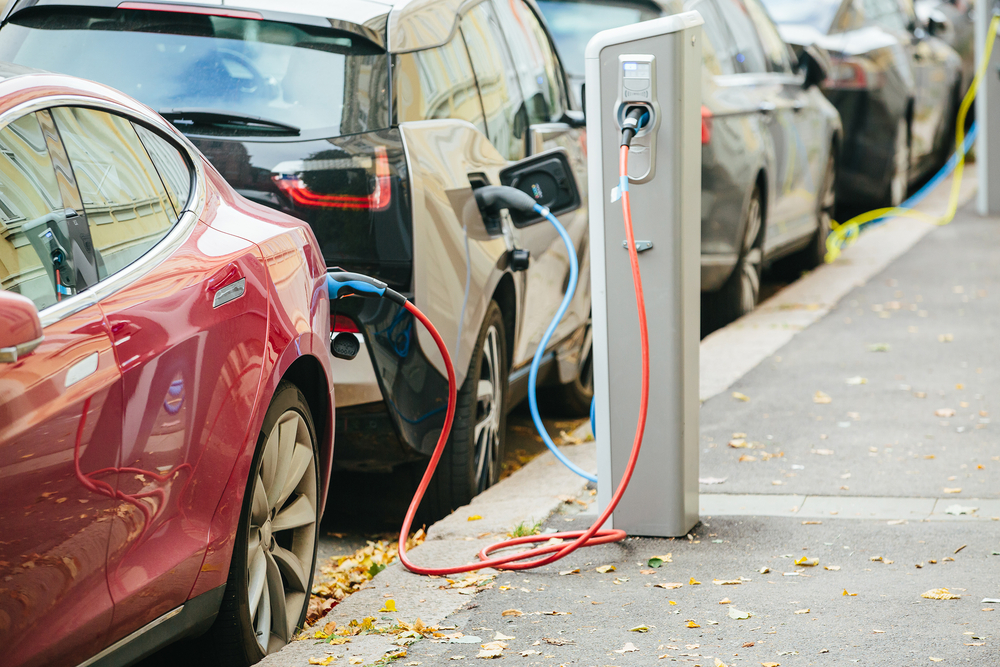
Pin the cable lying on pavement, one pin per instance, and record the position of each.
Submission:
(342, 284)
(846, 233)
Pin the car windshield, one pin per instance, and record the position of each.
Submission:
(213, 74)
(816, 13)
(572, 24)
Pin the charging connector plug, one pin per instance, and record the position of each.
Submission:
(636, 118)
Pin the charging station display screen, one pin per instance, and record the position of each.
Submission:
(637, 70)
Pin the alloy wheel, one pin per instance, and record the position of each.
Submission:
(281, 536)
(489, 404)
(750, 259)
(901, 165)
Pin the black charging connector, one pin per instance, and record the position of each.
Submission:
(636, 118)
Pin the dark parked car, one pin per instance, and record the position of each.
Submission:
(952, 21)
(166, 427)
(897, 89)
(769, 141)
(373, 122)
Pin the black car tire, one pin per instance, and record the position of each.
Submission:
(813, 254)
(738, 295)
(573, 398)
(473, 457)
(233, 639)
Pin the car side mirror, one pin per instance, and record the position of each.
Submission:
(937, 23)
(815, 64)
(548, 179)
(20, 327)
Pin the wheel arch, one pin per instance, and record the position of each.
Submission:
(505, 295)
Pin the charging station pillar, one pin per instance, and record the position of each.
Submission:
(656, 64)
(988, 97)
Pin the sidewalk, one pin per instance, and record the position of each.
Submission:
(866, 442)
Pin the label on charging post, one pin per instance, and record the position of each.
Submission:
(636, 81)
(637, 87)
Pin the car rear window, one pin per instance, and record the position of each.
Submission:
(245, 76)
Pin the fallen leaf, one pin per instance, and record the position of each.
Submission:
(944, 412)
(740, 397)
(945, 338)
(556, 613)
(512, 612)
(960, 548)
(628, 648)
(647, 571)
(952, 490)
(499, 637)
(357, 660)
(770, 664)
(719, 663)
(389, 606)
(746, 458)
(530, 651)
(747, 645)
(490, 653)
(657, 561)
(725, 601)
(740, 443)
(693, 582)
(853, 595)
(802, 611)
(857, 379)
(764, 570)
(670, 585)
(820, 397)
(639, 628)
(726, 582)
(807, 562)
(557, 641)
(812, 523)
(738, 615)
(879, 347)
(474, 517)
(822, 452)
(692, 624)
(575, 570)
(939, 594)
(933, 659)
(712, 480)
(876, 559)
(322, 661)
(833, 568)
(604, 569)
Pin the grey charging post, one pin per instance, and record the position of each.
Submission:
(655, 64)
(988, 97)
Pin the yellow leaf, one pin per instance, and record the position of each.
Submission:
(669, 585)
(746, 458)
(322, 661)
(604, 569)
(692, 624)
(693, 582)
(939, 594)
(807, 562)
(833, 568)
(719, 663)
(357, 660)
(771, 664)
(820, 397)
(575, 570)
(802, 611)
(726, 582)
(640, 628)
(474, 517)
(740, 397)
(511, 612)
(932, 659)
(320, 635)
(725, 601)
(672, 602)
(390, 605)
(337, 641)
(853, 595)
(947, 490)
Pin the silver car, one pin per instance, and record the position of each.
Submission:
(770, 141)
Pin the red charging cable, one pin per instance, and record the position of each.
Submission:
(594, 535)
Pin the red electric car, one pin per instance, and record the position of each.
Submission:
(165, 405)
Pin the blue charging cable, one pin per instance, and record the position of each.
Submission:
(536, 362)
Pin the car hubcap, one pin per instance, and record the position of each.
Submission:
(282, 533)
(901, 166)
(751, 260)
(488, 412)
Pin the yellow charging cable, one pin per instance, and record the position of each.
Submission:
(843, 234)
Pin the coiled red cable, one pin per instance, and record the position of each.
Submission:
(542, 555)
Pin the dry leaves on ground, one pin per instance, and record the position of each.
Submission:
(334, 582)
(657, 561)
(939, 594)
(740, 397)
(604, 569)
(669, 585)
(738, 615)
(820, 397)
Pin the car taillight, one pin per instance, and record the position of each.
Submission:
(706, 125)
(296, 189)
(340, 323)
(851, 74)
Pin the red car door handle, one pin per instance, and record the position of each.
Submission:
(228, 284)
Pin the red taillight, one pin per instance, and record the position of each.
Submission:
(706, 125)
(379, 200)
(846, 75)
(191, 9)
(340, 323)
